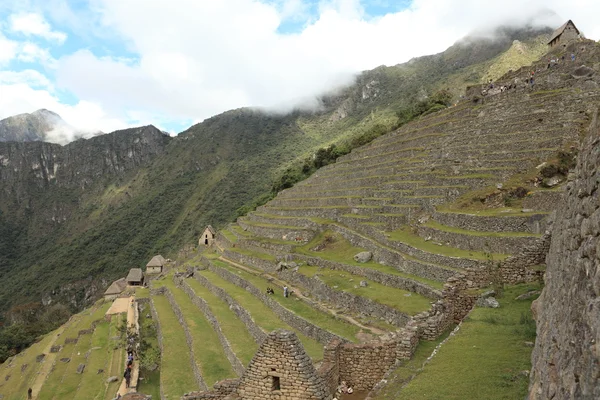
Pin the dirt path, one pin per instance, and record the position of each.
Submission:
(119, 306)
(132, 319)
(299, 294)
(47, 364)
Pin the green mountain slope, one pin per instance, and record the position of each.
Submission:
(117, 220)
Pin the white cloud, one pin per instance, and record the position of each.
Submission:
(32, 24)
(29, 77)
(31, 53)
(198, 58)
(8, 49)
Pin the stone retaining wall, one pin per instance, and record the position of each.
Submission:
(265, 247)
(278, 232)
(494, 244)
(237, 365)
(255, 331)
(245, 259)
(159, 336)
(544, 200)
(309, 329)
(353, 303)
(188, 339)
(377, 276)
(530, 223)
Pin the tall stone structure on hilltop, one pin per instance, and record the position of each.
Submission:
(281, 369)
(566, 358)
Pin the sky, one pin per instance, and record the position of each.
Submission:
(111, 64)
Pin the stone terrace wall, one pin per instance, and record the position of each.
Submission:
(241, 313)
(237, 365)
(566, 356)
(396, 281)
(309, 329)
(355, 304)
(188, 338)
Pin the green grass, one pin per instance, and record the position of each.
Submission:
(242, 343)
(342, 251)
(210, 357)
(176, 376)
(150, 384)
(92, 384)
(491, 212)
(445, 228)
(407, 369)
(229, 235)
(63, 379)
(20, 382)
(404, 235)
(485, 359)
(116, 362)
(263, 315)
(402, 300)
(299, 307)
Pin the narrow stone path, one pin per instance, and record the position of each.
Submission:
(299, 294)
(47, 364)
(132, 319)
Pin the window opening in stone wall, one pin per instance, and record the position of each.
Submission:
(276, 383)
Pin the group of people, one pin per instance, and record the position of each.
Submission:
(127, 373)
(286, 291)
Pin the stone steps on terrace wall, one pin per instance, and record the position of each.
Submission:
(279, 232)
(476, 241)
(531, 222)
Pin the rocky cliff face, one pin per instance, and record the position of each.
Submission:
(566, 358)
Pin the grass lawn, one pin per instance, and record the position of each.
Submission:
(176, 376)
(452, 229)
(19, 382)
(299, 307)
(263, 256)
(92, 384)
(263, 315)
(485, 359)
(342, 251)
(210, 357)
(229, 235)
(404, 235)
(116, 351)
(402, 300)
(242, 343)
(61, 380)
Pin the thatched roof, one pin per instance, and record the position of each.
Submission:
(135, 275)
(157, 261)
(560, 30)
(210, 229)
(116, 287)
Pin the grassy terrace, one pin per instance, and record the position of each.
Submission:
(60, 380)
(402, 300)
(257, 254)
(210, 357)
(491, 212)
(485, 359)
(229, 235)
(150, 384)
(300, 308)
(263, 315)
(242, 343)
(340, 250)
(176, 376)
(93, 384)
(405, 236)
(276, 226)
(116, 361)
(9, 388)
(452, 229)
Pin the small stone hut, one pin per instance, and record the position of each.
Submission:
(135, 277)
(156, 265)
(567, 33)
(208, 236)
(115, 289)
(281, 369)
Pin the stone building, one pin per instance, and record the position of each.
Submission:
(280, 370)
(208, 236)
(567, 33)
(135, 277)
(156, 265)
(115, 289)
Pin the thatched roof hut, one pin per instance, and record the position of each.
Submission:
(116, 288)
(135, 277)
